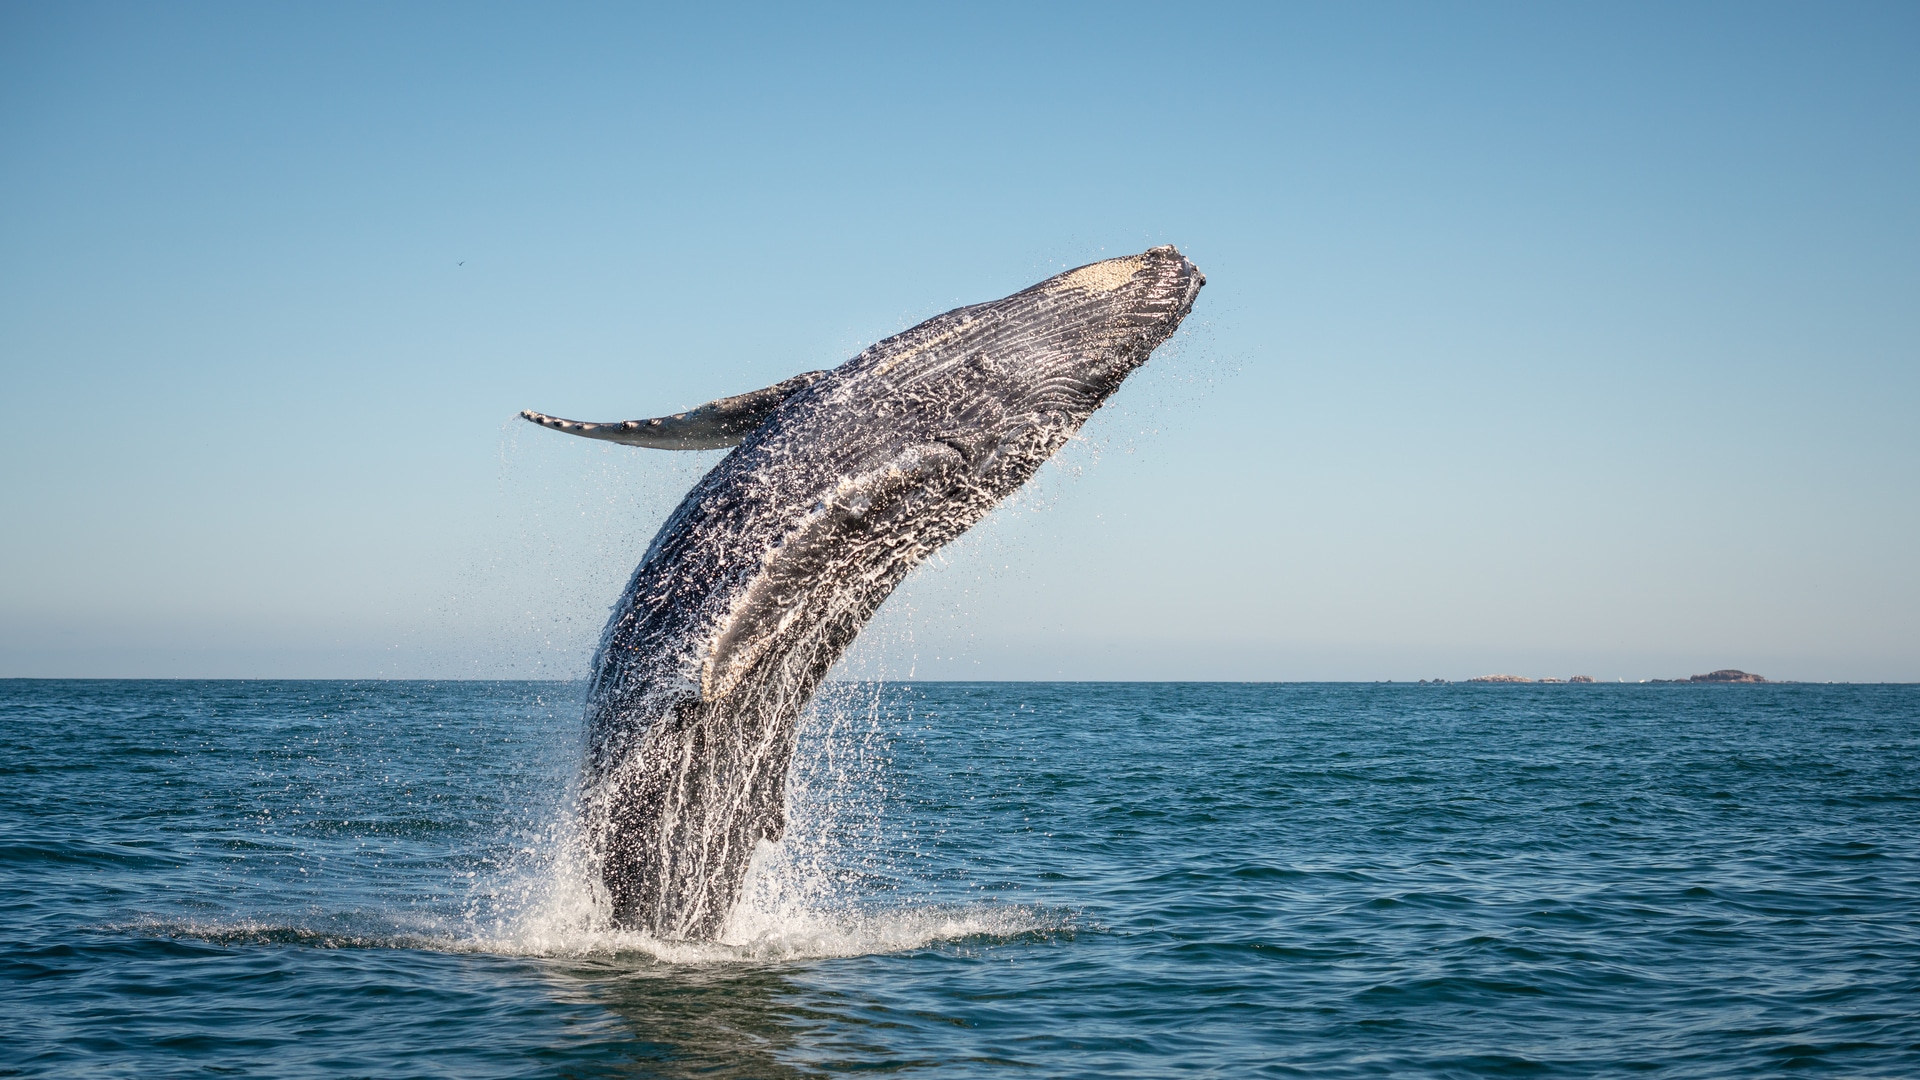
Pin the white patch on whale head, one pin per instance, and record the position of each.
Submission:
(1101, 276)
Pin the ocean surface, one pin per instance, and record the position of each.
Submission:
(293, 879)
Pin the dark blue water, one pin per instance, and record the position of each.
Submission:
(291, 879)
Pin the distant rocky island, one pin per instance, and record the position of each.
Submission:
(1724, 675)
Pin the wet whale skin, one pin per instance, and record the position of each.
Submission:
(770, 566)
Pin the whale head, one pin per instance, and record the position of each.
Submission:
(1004, 384)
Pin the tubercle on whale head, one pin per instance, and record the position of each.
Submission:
(1108, 275)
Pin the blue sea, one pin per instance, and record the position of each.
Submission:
(288, 879)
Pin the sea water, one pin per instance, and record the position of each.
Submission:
(381, 879)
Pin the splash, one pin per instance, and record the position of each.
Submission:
(831, 887)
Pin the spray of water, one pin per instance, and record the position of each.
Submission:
(832, 886)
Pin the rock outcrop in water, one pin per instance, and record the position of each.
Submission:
(1499, 679)
(1724, 675)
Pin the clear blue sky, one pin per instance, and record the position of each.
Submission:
(1538, 338)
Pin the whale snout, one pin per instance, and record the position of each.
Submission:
(1124, 309)
(1177, 275)
(1169, 253)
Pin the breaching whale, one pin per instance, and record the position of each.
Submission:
(840, 482)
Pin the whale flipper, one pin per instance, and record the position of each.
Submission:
(713, 426)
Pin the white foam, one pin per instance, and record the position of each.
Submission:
(793, 908)
(815, 935)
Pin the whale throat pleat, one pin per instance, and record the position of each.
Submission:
(713, 426)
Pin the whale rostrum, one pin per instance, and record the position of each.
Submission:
(840, 482)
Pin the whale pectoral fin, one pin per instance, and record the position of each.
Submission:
(712, 426)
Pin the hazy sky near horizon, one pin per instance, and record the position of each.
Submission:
(1547, 339)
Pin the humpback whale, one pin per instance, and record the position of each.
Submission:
(840, 482)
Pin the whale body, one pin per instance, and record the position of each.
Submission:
(840, 482)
